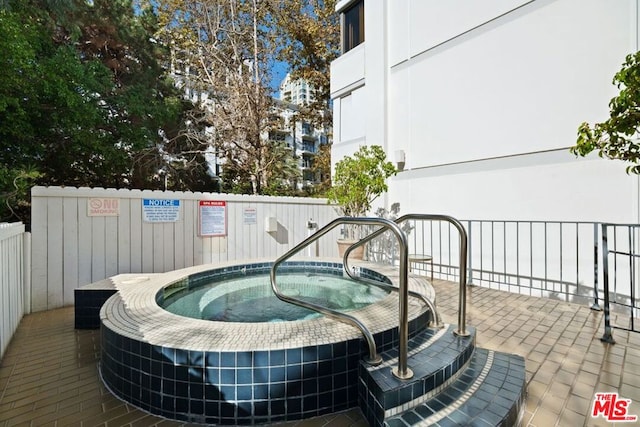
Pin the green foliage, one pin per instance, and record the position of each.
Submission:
(360, 179)
(14, 192)
(85, 100)
(616, 138)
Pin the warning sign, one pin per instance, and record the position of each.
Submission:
(103, 207)
(160, 210)
(213, 218)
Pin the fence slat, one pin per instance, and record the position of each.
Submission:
(12, 280)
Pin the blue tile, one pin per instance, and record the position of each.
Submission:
(228, 392)
(277, 406)
(309, 370)
(294, 388)
(244, 376)
(228, 360)
(410, 418)
(227, 376)
(212, 409)
(310, 354)
(182, 389)
(294, 372)
(294, 405)
(310, 405)
(196, 407)
(294, 355)
(261, 391)
(212, 393)
(277, 390)
(277, 374)
(168, 371)
(261, 358)
(244, 359)
(181, 373)
(277, 358)
(325, 352)
(244, 392)
(310, 386)
(212, 376)
(261, 408)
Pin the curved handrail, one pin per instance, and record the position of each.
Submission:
(462, 298)
(374, 358)
(437, 321)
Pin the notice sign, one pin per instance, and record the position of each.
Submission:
(250, 216)
(103, 207)
(213, 218)
(160, 210)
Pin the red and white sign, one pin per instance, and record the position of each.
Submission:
(213, 217)
(103, 207)
(613, 408)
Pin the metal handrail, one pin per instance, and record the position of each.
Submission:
(462, 297)
(437, 321)
(373, 358)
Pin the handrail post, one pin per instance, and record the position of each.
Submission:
(462, 297)
(596, 303)
(402, 371)
(607, 337)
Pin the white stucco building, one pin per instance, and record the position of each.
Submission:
(483, 100)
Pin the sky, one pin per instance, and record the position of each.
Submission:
(278, 71)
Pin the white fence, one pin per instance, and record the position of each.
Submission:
(82, 235)
(14, 276)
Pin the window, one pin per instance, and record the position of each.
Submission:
(353, 26)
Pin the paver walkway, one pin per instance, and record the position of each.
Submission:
(49, 376)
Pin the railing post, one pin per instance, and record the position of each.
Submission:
(607, 337)
(469, 265)
(462, 297)
(402, 371)
(596, 304)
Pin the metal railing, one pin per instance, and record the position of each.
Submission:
(462, 259)
(553, 259)
(620, 245)
(580, 262)
(402, 371)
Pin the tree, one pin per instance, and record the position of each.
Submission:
(309, 40)
(223, 49)
(84, 99)
(617, 137)
(359, 180)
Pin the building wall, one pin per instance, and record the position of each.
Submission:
(71, 249)
(485, 100)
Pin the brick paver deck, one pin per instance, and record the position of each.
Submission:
(49, 375)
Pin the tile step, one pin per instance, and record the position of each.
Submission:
(490, 392)
(436, 357)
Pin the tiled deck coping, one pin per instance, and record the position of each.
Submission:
(135, 313)
(238, 373)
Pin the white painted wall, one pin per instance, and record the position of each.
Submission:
(485, 100)
(71, 249)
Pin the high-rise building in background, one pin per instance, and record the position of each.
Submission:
(301, 136)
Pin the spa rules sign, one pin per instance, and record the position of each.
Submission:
(213, 218)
